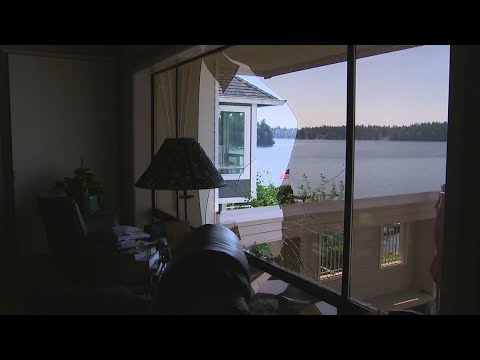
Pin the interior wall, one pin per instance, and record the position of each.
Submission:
(142, 146)
(127, 147)
(460, 284)
(7, 213)
(61, 110)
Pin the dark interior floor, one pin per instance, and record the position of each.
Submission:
(18, 276)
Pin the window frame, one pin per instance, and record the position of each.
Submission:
(344, 301)
(403, 245)
(245, 174)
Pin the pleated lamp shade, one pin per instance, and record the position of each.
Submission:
(181, 164)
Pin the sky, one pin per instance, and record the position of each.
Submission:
(398, 88)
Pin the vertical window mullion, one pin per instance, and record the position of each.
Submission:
(349, 170)
(152, 136)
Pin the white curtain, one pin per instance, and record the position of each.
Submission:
(188, 124)
(165, 124)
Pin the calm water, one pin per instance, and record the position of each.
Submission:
(381, 167)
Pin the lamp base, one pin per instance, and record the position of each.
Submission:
(185, 197)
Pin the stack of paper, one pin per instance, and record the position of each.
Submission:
(145, 254)
(129, 236)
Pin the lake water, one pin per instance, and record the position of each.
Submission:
(381, 167)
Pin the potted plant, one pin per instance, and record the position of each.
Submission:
(84, 189)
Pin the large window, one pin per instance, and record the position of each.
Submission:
(335, 210)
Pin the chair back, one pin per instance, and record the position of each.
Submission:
(209, 274)
(65, 227)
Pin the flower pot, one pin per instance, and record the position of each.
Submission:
(89, 204)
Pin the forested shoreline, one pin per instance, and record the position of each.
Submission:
(430, 131)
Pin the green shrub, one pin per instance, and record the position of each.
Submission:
(285, 195)
(268, 194)
(261, 250)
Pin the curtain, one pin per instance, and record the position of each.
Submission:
(183, 96)
(188, 124)
(165, 127)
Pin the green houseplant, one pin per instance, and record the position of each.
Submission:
(84, 189)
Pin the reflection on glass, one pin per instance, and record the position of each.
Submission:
(272, 296)
(231, 149)
(295, 216)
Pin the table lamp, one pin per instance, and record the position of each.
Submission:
(181, 164)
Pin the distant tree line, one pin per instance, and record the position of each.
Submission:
(284, 133)
(264, 134)
(430, 131)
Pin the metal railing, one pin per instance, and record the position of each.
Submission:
(330, 254)
(391, 245)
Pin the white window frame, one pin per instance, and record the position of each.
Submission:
(403, 246)
(245, 175)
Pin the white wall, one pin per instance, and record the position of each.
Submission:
(61, 110)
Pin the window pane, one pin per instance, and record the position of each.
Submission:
(295, 218)
(400, 166)
(231, 149)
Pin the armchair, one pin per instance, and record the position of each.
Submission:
(80, 251)
(209, 274)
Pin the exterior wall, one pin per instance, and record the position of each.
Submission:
(423, 251)
(61, 110)
(300, 226)
(368, 279)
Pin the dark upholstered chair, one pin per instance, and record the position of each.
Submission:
(209, 274)
(79, 252)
